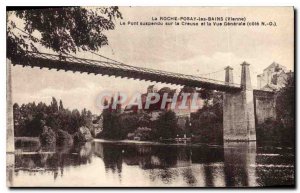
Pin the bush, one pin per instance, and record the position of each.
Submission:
(63, 138)
(47, 137)
(82, 135)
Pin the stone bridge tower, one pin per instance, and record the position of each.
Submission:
(238, 108)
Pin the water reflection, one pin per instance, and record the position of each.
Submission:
(53, 160)
(123, 164)
(238, 159)
(10, 160)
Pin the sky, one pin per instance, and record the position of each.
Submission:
(191, 50)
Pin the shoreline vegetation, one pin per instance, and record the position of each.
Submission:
(52, 124)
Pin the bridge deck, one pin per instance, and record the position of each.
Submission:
(116, 69)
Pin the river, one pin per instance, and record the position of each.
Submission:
(113, 163)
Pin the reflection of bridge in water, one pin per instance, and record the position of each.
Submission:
(239, 99)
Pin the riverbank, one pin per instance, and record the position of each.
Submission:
(154, 143)
(27, 139)
(34, 141)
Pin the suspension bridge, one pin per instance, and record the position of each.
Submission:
(239, 109)
(118, 69)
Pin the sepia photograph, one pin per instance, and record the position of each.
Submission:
(115, 96)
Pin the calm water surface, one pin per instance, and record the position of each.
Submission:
(103, 163)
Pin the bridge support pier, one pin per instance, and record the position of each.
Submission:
(238, 109)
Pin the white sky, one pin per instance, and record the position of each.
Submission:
(188, 50)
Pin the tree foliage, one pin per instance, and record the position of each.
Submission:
(117, 125)
(64, 30)
(166, 125)
(282, 129)
(207, 122)
(285, 103)
(30, 119)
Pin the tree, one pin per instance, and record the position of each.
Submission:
(166, 126)
(75, 121)
(107, 119)
(61, 106)
(64, 30)
(86, 118)
(285, 103)
(37, 120)
(284, 126)
(217, 105)
(282, 129)
(17, 120)
(111, 122)
(54, 105)
(207, 122)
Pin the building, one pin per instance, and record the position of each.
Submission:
(273, 77)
